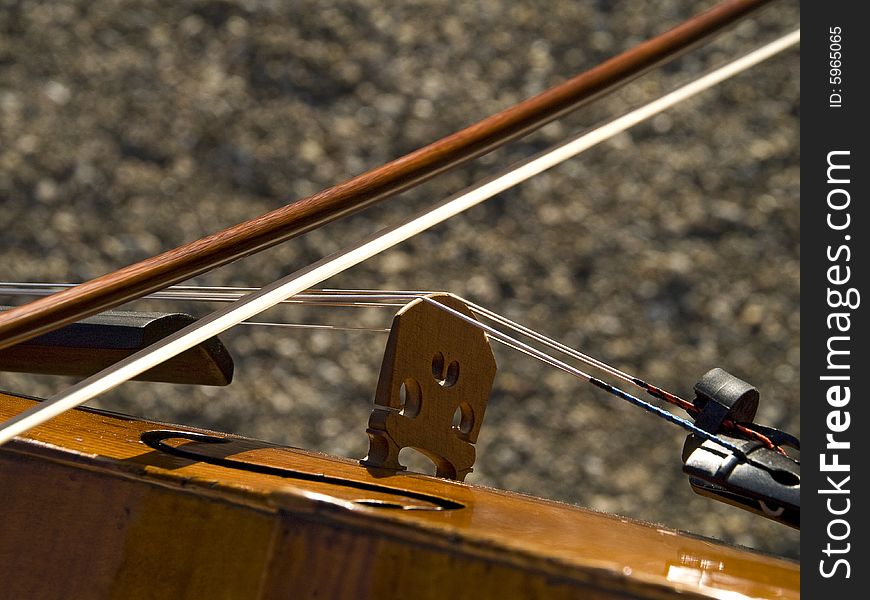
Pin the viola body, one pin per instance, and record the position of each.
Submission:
(105, 215)
(100, 505)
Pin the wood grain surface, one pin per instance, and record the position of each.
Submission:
(665, 252)
(91, 511)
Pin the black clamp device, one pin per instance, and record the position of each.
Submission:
(762, 480)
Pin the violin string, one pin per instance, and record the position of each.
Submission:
(515, 344)
(611, 389)
(352, 298)
(355, 298)
(307, 277)
(316, 326)
(652, 390)
(334, 297)
(580, 356)
(362, 298)
(554, 362)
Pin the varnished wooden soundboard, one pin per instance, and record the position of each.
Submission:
(90, 511)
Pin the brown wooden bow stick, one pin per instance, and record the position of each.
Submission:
(184, 262)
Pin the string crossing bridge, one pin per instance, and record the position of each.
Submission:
(727, 456)
(438, 371)
(435, 367)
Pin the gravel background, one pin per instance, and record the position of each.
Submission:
(127, 128)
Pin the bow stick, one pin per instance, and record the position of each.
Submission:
(184, 262)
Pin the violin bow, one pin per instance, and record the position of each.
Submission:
(274, 293)
(46, 314)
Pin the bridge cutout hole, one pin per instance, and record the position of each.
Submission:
(416, 461)
(446, 377)
(463, 418)
(410, 398)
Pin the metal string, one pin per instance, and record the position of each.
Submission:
(347, 298)
(554, 362)
(363, 297)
